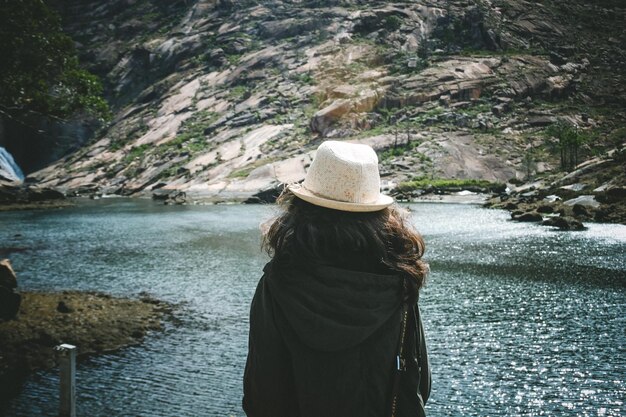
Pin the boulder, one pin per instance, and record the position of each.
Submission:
(267, 195)
(218, 57)
(581, 211)
(169, 196)
(529, 216)
(612, 195)
(545, 208)
(44, 194)
(584, 200)
(7, 275)
(9, 304)
(9, 300)
(564, 223)
(324, 118)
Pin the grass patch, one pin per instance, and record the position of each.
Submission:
(398, 150)
(241, 173)
(192, 136)
(245, 171)
(305, 78)
(136, 152)
(191, 139)
(233, 59)
(238, 92)
(502, 52)
(422, 183)
(475, 110)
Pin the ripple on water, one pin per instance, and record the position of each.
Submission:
(520, 320)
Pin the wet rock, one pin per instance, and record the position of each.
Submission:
(564, 223)
(8, 193)
(9, 304)
(545, 208)
(612, 195)
(7, 275)
(169, 196)
(268, 195)
(529, 216)
(582, 212)
(44, 194)
(9, 300)
(611, 213)
(25, 194)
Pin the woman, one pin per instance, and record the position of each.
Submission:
(334, 324)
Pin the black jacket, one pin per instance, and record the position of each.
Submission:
(323, 343)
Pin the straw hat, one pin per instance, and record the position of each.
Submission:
(343, 176)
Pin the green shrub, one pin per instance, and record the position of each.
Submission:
(392, 23)
(40, 70)
(421, 183)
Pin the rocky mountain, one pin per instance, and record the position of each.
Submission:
(224, 100)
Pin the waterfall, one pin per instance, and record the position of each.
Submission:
(8, 168)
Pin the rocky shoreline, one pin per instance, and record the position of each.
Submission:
(533, 202)
(92, 321)
(17, 196)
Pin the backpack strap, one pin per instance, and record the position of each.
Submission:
(400, 360)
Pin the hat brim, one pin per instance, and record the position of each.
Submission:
(382, 202)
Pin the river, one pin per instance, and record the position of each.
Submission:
(521, 320)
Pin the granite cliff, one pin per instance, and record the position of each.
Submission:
(223, 100)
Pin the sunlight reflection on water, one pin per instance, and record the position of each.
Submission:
(520, 319)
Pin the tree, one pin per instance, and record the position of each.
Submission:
(570, 139)
(528, 161)
(40, 72)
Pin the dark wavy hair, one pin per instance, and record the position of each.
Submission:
(380, 241)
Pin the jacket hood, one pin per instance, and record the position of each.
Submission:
(331, 309)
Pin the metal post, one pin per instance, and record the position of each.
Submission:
(67, 364)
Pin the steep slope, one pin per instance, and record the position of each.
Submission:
(226, 100)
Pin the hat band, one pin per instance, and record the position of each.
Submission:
(319, 195)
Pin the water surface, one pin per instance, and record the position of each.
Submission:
(520, 319)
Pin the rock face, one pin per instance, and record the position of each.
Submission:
(9, 300)
(216, 100)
